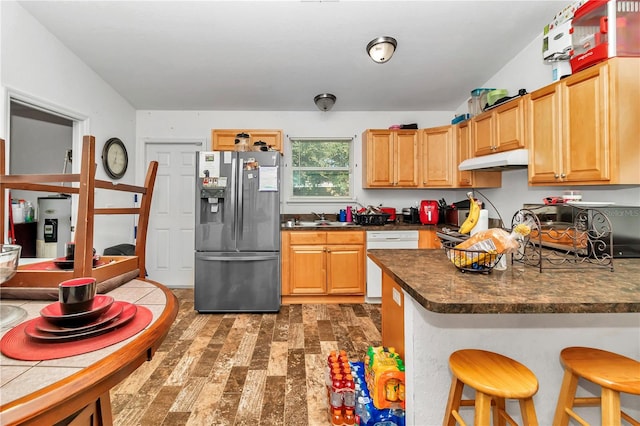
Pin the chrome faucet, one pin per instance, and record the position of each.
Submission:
(320, 216)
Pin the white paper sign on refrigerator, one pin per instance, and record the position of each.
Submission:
(209, 164)
(268, 178)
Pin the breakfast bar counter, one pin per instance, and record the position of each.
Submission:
(50, 391)
(435, 283)
(520, 312)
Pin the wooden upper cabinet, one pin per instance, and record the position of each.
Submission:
(584, 129)
(500, 129)
(585, 115)
(437, 154)
(390, 158)
(464, 151)
(545, 155)
(224, 139)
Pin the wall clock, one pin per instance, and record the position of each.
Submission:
(115, 158)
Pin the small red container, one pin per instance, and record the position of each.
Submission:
(429, 212)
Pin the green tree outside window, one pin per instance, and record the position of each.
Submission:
(321, 168)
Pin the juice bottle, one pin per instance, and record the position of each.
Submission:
(349, 393)
(336, 417)
(335, 399)
(349, 418)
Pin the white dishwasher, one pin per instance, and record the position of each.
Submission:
(385, 240)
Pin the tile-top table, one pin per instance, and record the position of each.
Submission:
(46, 392)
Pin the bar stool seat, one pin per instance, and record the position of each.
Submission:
(614, 374)
(495, 378)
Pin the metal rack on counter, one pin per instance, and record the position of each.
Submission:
(586, 243)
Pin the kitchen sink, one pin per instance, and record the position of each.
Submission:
(323, 224)
(326, 223)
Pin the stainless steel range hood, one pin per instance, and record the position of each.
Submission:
(516, 159)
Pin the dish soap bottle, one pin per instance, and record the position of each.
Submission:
(29, 212)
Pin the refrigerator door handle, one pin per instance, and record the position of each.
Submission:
(236, 258)
(240, 211)
(233, 194)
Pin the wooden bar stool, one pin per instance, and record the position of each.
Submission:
(614, 373)
(495, 378)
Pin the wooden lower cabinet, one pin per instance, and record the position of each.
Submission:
(392, 314)
(323, 266)
(428, 239)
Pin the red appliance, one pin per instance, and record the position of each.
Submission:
(603, 29)
(429, 212)
(391, 211)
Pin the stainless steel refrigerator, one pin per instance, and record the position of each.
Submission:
(237, 232)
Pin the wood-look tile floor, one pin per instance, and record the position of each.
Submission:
(244, 369)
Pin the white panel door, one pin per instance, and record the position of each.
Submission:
(170, 239)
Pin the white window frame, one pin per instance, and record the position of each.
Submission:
(316, 200)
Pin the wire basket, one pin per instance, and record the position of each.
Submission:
(371, 219)
(471, 260)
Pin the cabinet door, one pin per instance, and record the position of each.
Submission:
(585, 126)
(273, 138)
(437, 156)
(345, 269)
(406, 158)
(379, 159)
(509, 125)
(428, 239)
(392, 315)
(482, 133)
(545, 154)
(463, 152)
(307, 270)
(223, 139)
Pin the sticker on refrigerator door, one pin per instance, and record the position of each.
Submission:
(268, 178)
(209, 164)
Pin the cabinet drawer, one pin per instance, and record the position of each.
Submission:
(345, 237)
(307, 237)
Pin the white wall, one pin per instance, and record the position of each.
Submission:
(35, 64)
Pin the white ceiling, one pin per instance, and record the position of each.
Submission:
(276, 56)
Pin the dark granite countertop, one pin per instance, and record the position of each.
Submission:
(386, 227)
(436, 284)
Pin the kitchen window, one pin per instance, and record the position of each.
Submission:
(321, 168)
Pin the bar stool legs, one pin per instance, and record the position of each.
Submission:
(614, 373)
(495, 378)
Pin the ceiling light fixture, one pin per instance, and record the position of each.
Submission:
(325, 101)
(381, 49)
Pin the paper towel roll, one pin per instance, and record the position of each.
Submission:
(483, 222)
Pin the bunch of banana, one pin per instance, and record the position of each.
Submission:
(474, 213)
(462, 258)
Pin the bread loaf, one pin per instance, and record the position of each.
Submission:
(503, 241)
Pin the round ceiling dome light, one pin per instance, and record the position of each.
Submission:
(381, 49)
(325, 101)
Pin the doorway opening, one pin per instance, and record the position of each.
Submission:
(41, 140)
